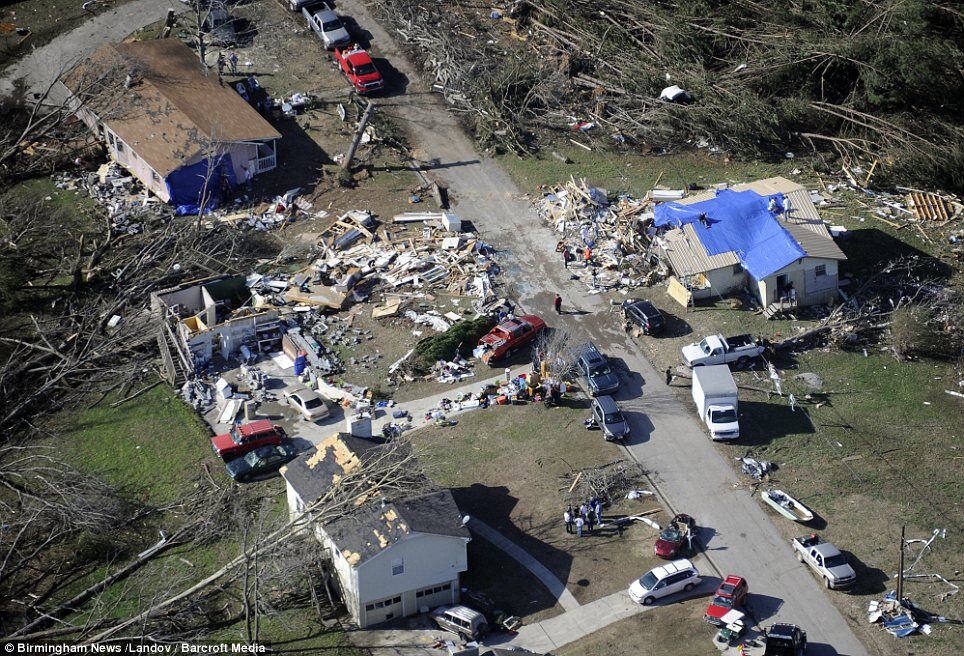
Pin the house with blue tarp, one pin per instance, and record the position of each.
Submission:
(172, 124)
(764, 236)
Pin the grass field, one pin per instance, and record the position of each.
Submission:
(635, 174)
(511, 467)
(152, 447)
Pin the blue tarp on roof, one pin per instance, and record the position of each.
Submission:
(738, 221)
(187, 185)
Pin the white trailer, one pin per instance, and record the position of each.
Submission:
(714, 392)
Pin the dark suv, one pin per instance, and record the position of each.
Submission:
(595, 368)
(645, 315)
(786, 640)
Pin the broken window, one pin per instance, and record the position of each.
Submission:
(398, 567)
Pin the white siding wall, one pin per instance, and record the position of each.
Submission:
(811, 290)
(124, 155)
(427, 559)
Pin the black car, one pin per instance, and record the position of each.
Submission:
(645, 315)
(261, 463)
(785, 640)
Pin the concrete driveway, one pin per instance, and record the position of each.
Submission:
(689, 471)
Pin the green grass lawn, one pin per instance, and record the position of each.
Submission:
(152, 447)
(635, 174)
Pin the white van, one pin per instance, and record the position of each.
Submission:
(659, 582)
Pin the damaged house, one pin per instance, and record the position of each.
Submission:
(765, 236)
(392, 557)
(175, 127)
(215, 316)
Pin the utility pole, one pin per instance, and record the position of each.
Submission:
(346, 165)
(900, 568)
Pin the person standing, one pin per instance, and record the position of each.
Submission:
(590, 520)
(587, 254)
(567, 517)
(669, 375)
(579, 524)
(508, 375)
(566, 256)
(221, 64)
(233, 61)
(582, 510)
(557, 303)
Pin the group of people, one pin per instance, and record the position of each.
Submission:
(229, 61)
(587, 516)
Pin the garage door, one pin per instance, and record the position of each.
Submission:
(384, 610)
(434, 596)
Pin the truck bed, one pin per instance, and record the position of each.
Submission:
(739, 341)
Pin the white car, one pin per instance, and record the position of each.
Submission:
(311, 406)
(659, 582)
(326, 24)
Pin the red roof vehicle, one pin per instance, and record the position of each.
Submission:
(676, 540)
(247, 437)
(506, 338)
(359, 68)
(731, 594)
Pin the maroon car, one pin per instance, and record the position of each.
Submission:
(239, 440)
(676, 540)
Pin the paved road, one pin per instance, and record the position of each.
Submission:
(688, 469)
(44, 65)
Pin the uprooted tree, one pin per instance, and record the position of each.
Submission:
(866, 81)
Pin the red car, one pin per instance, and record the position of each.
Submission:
(359, 68)
(731, 594)
(676, 540)
(248, 437)
(506, 338)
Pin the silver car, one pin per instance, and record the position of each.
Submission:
(307, 402)
(327, 26)
(607, 416)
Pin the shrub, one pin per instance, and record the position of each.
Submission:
(461, 338)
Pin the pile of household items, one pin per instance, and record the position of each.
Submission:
(901, 618)
(121, 195)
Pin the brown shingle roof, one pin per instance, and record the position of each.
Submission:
(173, 110)
(688, 256)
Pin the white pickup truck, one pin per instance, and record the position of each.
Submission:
(717, 349)
(826, 560)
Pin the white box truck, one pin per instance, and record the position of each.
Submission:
(714, 392)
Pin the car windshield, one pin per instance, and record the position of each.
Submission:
(602, 371)
(313, 403)
(705, 347)
(235, 435)
(669, 534)
(835, 561)
(331, 26)
(725, 602)
(723, 416)
(614, 418)
(365, 69)
(648, 581)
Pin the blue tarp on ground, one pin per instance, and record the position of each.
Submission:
(187, 185)
(740, 221)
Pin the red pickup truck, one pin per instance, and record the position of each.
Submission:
(247, 437)
(359, 68)
(506, 338)
(731, 594)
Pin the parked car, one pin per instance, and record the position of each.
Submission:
(295, 5)
(731, 594)
(307, 402)
(359, 68)
(785, 640)
(595, 368)
(662, 581)
(676, 539)
(607, 416)
(467, 623)
(243, 438)
(717, 349)
(508, 337)
(644, 314)
(218, 26)
(825, 560)
(326, 24)
(261, 463)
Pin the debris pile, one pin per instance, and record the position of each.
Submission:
(613, 236)
(128, 205)
(901, 618)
